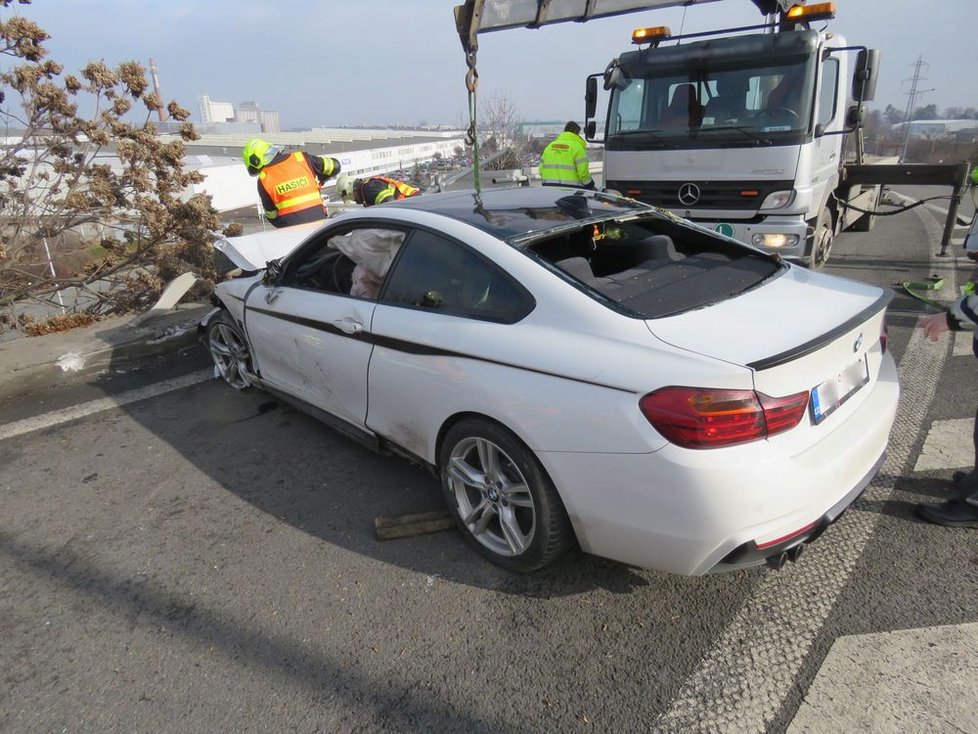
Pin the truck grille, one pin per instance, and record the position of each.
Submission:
(731, 195)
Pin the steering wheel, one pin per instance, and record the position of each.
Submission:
(343, 268)
(337, 287)
(777, 112)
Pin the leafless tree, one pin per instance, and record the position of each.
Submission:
(501, 134)
(95, 205)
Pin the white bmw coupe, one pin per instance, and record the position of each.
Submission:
(576, 367)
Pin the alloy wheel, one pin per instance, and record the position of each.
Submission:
(494, 500)
(230, 354)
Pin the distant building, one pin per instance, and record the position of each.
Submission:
(551, 129)
(212, 111)
(937, 128)
(244, 116)
(252, 112)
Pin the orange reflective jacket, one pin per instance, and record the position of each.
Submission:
(292, 185)
(400, 190)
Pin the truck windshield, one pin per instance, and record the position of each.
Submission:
(729, 105)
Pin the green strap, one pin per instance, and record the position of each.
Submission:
(933, 283)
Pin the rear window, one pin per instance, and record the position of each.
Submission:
(655, 267)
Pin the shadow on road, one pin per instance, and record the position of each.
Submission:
(303, 473)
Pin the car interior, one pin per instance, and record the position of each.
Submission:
(656, 267)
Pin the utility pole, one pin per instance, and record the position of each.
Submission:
(912, 102)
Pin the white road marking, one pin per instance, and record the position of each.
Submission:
(56, 417)
(948, 446)
(962, 343)
(908, 680)
(743, 680)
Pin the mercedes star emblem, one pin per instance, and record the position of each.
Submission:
(689, 194)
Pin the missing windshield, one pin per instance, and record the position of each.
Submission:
(653, 267)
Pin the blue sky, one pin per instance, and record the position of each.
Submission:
(333, 62)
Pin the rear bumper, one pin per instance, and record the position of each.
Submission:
(749, 554)
(694, 512)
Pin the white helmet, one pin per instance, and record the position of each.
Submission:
(344, 186)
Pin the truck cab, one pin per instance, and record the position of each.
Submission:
(744, 134)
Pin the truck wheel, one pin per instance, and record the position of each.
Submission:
(822, 240)
(866, 221)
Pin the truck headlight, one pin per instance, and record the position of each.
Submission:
(774, 240)
(778, 199)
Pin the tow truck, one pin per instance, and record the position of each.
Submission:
(754, 131)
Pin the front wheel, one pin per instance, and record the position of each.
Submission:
(822, 240)
(503, 501)
(229, 350)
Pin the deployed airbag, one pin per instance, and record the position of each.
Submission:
(373, 250)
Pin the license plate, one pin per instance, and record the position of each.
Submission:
(832, 393)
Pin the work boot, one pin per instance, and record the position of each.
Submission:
(964, 483)
(956, 513)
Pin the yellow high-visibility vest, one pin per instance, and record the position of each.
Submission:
(565, 161)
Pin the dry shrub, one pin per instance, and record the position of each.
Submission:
(53, 193)
(55, 324)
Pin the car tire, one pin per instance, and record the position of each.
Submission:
(229, 350)
(822, 240)
(511, 514)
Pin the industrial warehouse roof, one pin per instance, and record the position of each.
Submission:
(323, 142)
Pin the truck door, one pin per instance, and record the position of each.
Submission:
(827, 155)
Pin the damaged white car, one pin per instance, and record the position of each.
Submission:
(577, 368)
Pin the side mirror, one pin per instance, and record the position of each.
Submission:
(273, 271)
(590, 97)
(612, 75)
(865, 75)
(590, 129)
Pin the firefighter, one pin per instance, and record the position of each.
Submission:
(374, 190)
(289, 181)
(961, 510)
(564, 162)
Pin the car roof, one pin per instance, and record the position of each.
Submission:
(520, 213)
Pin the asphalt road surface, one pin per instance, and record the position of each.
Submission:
(204, 560)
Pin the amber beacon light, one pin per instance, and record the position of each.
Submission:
(651, 35)
(818, 11)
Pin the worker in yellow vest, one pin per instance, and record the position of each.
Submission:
(289, 181)
(374, 190)
(564, 162)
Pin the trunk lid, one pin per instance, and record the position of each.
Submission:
(796, 332)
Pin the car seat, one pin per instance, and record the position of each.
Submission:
(685, 109)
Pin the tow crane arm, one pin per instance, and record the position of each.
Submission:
(480, 16)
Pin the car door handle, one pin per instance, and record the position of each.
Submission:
(348, 326)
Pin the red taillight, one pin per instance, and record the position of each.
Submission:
(780, 414)
(703, 418)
